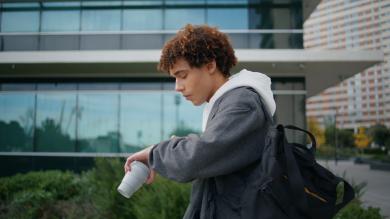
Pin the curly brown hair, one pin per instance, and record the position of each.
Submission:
(199, 45)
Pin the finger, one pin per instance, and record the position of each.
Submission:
(151, 177)
(127, 166)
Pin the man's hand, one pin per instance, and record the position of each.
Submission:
(143, 157)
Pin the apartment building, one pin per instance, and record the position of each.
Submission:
(363, 99)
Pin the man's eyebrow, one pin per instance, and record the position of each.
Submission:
(174, 74)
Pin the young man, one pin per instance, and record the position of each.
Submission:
(221, 162)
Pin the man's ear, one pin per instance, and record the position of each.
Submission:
(211, 67)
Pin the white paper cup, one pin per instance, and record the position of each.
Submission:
(134, 179)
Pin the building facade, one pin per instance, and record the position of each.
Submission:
(78, 79)
(364, 99)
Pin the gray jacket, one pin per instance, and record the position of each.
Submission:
(221, 162)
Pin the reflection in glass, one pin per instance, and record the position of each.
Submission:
(146, 86)
(95, 20)
(101, 3)
(60, 4)
(181, 117)
(60, 21)
(97, 119)
(178, 18)
(17, 87)
(228, 18)
(148, 19)
(16, 121)
(20, 21)
(140, 119)
(21, 5)
(55, 123)
(143, 2)
(92, 117)
(225, 2)
(186, 2)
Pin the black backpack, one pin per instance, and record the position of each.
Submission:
(294, 184)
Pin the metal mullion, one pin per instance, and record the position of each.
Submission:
(80, 23)
(34, 149)
(76, 145)
(39, 27)
(121, 28)
(1, 18)
(119, 118)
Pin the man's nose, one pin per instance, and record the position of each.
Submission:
(178, 86)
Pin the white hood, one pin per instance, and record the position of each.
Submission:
(258, 81)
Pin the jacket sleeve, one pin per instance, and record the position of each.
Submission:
(226, 145)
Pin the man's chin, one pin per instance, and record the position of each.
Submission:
(197, 103)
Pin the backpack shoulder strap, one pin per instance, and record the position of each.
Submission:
(293, 174)
(312, 138)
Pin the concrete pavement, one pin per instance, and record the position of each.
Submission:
(377, 191)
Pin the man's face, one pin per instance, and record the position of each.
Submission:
(195, 84)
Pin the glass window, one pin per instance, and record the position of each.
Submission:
(56, 121)
(97, 117)
(61, 4)
(16, 120)
(225, 2)
(93, 117)
(95, 20)
(140, 119)
(142, 2)
(284, 18)
(141, 86)
(60, 21)
(17, 87)
(21, 5)
(101, 3)
(181, 117)
(148, 19)
(20, 21)
(186, 2)
(178, 18)
(228, 18)
(99, 86)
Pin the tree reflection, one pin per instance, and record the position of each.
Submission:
(51, 138)
(27, 121)
(12, 137)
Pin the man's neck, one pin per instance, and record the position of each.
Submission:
(219, 81)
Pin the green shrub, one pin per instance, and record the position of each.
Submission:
(328, 152)
(381, 157)
(41, 195)
(60, 185)
(162, 199)
(375, 151)
(355, 210)
(92, 194)
(103, 181)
